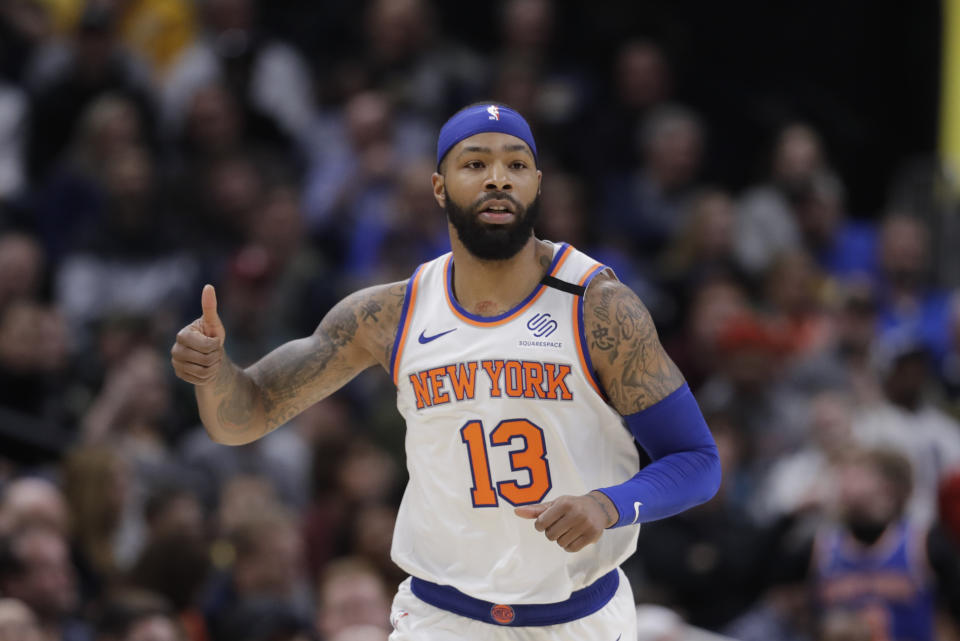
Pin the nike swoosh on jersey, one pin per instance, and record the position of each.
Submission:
(636, 510)
(424, 339)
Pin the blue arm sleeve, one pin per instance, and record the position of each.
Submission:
(685, 467)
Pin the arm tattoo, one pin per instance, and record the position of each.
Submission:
(631, 363)
(358, 332)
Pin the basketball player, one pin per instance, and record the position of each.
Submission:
(522, 368)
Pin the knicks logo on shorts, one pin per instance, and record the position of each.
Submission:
(502, 614)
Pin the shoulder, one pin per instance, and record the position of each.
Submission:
(624, 347)
(368, 318)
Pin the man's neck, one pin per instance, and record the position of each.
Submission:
(491, 287)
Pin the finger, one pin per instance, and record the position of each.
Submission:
(565, 524)
(568, 537)
(577, 544)
(531, 511)
(193, 338)
(196, 371)
(183, 354)
(553, 514)
(210, 320)
(194, 380)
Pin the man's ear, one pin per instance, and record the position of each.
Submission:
(539, 181)
(439, 191)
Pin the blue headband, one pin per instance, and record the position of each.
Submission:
(481, 119)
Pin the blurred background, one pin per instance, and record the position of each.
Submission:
(770, 178)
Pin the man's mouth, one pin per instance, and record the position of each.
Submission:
(497, 212)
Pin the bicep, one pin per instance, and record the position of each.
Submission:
(301, 372)
(631, 363)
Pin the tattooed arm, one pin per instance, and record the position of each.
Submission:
(241, 405)
(624, 347)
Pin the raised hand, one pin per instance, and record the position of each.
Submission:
(198, 351)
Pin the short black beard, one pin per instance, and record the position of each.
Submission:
(493, 242)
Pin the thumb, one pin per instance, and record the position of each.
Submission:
(210, 322)
(531, 511)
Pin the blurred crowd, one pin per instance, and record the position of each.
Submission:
(150, 146)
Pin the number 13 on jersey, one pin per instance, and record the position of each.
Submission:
(532, 457)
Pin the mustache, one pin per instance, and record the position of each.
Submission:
(497, 195)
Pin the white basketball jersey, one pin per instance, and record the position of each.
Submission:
(503, 411)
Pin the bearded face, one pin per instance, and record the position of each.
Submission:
(493, 240)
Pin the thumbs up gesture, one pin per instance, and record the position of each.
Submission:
(198, 350)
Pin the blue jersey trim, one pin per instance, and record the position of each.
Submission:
(494, 319)
(580, 604)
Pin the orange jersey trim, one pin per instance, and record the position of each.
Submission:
(580, 336)
(405, 327)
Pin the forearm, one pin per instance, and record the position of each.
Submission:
(231, 407)
(686, 465)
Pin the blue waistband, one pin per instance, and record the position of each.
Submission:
(581, 603)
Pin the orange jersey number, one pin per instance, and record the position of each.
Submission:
(532, 457)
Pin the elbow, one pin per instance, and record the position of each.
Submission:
(242, 436)
(712, 473)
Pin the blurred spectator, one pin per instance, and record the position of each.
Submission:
(795, 293)
(708, 563)
(132, 410)
(803, 481)
(24, 26)
(908, 421)
(642, 81)
(129, 264)
(645, 206)
(269, 77)
(267, 571)
(33, 358)
(283, 461)
(713, 303)
(215, 125)
(350, 186)
(846, 362)
(909, 300)
(35, 568)
(71, 200)
(175, 561)
(371, 537)
(534, 76)
(71, 77)
(30, 501)
(23, 266)
(107, 526)
(866, 562)
(135, 616)
(413, 232)
(17, 622)
(766, 222)
(176, 565)
(704, 242)
(347, 476)
(701, 250)
(750, 385)
(350, 593)
(423, 74)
